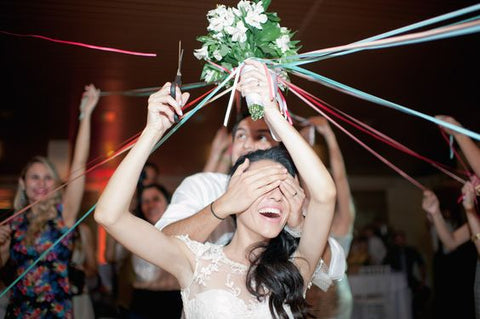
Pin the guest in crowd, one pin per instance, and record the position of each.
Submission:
(453, 239)
(119, 259)
(219, 159)
(407, 259)
(337, 301)
(153, 288)
(376, 247)
(358, 256)
(246, 272)
(460, 261)
(149, 174)
(83, 266)
(471, 229)
(45, 290)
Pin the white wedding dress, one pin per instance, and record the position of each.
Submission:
(218, 288)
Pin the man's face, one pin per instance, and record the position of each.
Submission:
(251, 136)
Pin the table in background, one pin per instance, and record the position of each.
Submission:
(380, 294)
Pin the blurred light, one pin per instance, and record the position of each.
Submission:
(109, 116)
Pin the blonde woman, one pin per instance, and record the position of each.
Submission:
(45, 290)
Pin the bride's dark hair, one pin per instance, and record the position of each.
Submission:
(272, 273)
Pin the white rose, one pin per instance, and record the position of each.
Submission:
(245, 5)
(216, 24)
(283, 42)
(220, 18)
(255, 20)
(216, 55)
(210, 75)
(218, 35)
(201, 53)
(238, 33)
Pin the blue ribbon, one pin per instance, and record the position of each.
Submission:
(372, 98)
(314, 57)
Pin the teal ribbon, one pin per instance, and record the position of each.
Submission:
(192, 112)
(372, 98)
(314, 57)
(149, 90)
(45, 253)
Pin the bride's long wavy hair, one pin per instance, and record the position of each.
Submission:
(272, 273)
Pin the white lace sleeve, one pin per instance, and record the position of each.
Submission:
(324, 275)
(195, 247)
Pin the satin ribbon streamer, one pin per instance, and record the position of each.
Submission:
(85, 45)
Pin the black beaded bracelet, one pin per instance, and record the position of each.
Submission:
(213, 213)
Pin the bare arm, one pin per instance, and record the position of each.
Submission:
(345, 211)
(220, 144)
(74, 191)
(5, 239)
(198, 226)
(472, 216)
(317, 181)
(451, 240)
(137, 235)
(468, 147)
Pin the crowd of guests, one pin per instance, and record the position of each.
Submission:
(266, 228)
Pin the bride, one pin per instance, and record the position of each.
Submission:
(263, 272)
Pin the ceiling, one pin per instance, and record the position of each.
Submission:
(42, 81)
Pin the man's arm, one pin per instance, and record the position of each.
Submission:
(189, 212)
(199, 226)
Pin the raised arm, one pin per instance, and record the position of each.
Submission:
(76, 185)
(468, 147)
(451, 240)
(318, 183)
(468, 192)
(138, 235)
(220, 144)
(345, 211)
(5, 239)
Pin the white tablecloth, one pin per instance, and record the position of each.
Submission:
(380, 295)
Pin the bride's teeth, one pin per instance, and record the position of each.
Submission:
(269, 211)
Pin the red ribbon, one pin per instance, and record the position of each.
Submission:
(85, 45)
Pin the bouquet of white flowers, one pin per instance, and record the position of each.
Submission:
(236, 34)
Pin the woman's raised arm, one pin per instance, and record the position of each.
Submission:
(137, 235)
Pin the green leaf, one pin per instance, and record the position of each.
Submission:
(272, 16)
(224, 50)
(270, 32)
(256, 111)
(203, 38)
(266, 4)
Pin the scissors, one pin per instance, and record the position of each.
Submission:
(178, 78)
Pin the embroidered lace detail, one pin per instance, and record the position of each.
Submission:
(218, 288)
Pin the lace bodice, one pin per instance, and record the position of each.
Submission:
(218, 288)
